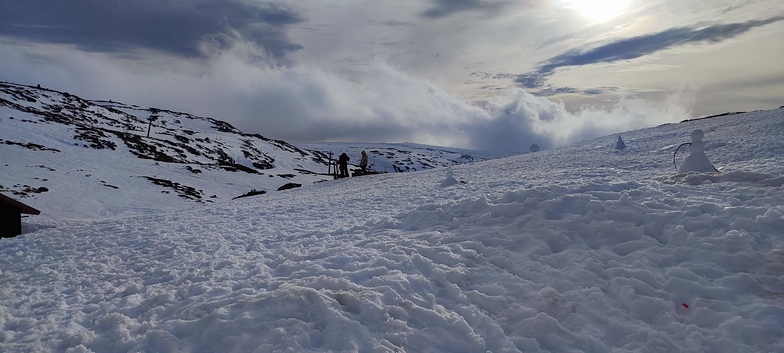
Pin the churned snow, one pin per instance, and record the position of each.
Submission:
(585, 248)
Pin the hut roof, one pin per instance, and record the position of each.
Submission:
(18, 205)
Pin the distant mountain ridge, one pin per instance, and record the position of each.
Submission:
(97, 123)
(44, 132)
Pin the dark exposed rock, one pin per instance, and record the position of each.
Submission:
(183, 191)
(29, 145)
(289, 186)
(253, 192)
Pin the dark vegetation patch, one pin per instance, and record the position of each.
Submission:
(234, 167)
(142, 149)
(263, 166)
(184, 191)
(257, 157)
(35, 190)
(43, 167)
(223, 157)
(712, 116)
(182, 139)
(289, 186)
(25, 190)
(108, 185)
(25, 95)
(319, 155)
(179, 147)
(30, 146)
(223, 126)
(253, 192)
(96, 138)
(192, 170)
(305, 171)
(280, 144)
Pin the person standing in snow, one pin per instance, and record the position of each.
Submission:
(343, 164)
(363, 162)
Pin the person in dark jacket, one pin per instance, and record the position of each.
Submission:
(343, 164)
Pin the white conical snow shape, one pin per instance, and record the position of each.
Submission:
(696, 161)
(620, 145)
(450, 178)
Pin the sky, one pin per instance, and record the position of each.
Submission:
(481, 74)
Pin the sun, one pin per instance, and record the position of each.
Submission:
(598, 10)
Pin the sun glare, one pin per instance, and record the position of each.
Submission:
(598, 10)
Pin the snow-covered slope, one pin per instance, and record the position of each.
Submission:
(585, 248)
(74, 158)
(405, 157)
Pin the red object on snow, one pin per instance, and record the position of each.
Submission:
(685, 305)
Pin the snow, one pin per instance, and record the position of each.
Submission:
(696, 161)
(94, 159)
(583, 248)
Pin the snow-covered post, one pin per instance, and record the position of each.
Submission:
(329, 164)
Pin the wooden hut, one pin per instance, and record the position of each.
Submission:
(11, 216)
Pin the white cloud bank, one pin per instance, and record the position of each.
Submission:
(300, 103)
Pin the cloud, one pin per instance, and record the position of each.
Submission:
(446, 8)
(518, 120)
(175, 27)
(552, 91)
(635, 47)
(238, 82)
(308, 104)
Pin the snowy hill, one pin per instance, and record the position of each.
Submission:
(76, 158)
(584, 248)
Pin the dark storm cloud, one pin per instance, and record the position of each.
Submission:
(167, 25)
(445, 8)
(635, 47)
